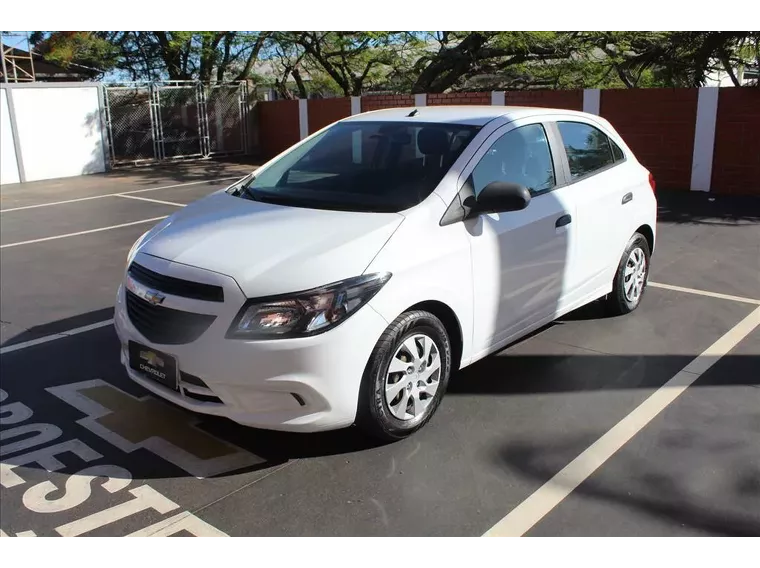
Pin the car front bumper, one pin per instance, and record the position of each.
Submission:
(304, 385)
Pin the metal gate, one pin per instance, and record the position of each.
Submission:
(173, 120)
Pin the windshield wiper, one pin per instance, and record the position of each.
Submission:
(247, 191)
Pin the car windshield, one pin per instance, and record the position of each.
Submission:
(362, 166)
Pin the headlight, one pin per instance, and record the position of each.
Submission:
(133, 250)
(306, 313)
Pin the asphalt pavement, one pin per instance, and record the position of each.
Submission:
(647, 424)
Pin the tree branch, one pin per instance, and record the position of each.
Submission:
(226, 55)
(311, 46)
(253, 56)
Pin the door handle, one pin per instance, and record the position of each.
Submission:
(564, 220)
(627, 197)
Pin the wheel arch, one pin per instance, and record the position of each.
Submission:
(450, 322)
(648, 233)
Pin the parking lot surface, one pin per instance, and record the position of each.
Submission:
(648, 424)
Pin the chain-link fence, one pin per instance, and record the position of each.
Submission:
(161, 121)
(179, 125)
(225, 127)
(130, 125)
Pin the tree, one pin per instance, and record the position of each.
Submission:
(674, 59)
(287, 61)
(156, 55)
(82, 50)
(462, 55)
(354, 60)
(748, 53)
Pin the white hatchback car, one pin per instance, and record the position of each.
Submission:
(344, 280)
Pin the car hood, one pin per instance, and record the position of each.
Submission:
(271, 249)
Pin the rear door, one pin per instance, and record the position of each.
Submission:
(603, 193)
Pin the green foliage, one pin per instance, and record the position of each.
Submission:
(84, 51)
(311, 63)
(669, 59)
(176, 55)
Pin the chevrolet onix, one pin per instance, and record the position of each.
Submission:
(345, 280)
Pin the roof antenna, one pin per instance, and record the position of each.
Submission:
(415, 111)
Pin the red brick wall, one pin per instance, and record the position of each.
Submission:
(376, 102)
(658, 125)
(278, 126)
(459, 99)
(570, 100)
(326, 111)
(736, 157)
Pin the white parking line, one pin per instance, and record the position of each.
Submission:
(67, 235)
(53, 337)
(151, 200)
(703, 293)
(525, 516)
(121, 193)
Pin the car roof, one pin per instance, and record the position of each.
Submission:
(476, 115)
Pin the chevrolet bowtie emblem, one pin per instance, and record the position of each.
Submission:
(151, 358)
(151, 296)
(154, 297)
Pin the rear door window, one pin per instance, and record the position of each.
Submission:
(588, 149)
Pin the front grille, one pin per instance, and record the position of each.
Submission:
(176, 286)
(165, 325)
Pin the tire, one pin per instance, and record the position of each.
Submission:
(391, 420)
(619, 302)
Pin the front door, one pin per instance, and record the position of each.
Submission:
(521, 258)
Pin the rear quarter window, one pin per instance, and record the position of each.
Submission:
(617, 153)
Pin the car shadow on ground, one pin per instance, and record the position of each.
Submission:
(697, 469)
(696, 476)
(63, 326)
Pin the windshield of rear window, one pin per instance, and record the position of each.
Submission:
(362, 166)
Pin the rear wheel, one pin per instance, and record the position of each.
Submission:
(630, 278)
(406, 377)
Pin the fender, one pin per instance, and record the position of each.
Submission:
(429, 262)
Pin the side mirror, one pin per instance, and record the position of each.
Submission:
(502, 197)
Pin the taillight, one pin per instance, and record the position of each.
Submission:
(652, 184)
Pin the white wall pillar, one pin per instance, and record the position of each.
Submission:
(356, 137)
(303, 117)
(107, 155)
(11, 170)
(356, 105)
(704, 138)
(592, 99)
(498, 98)
(420, 100)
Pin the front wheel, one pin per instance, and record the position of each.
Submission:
(406, 377)
(630, 278)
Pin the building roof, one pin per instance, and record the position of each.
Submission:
(476, 115)
(45, 70)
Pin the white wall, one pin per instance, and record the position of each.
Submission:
(59, 131)
(8, 164)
